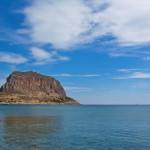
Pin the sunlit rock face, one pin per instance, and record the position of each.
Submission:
(32, 87)
(31, 83)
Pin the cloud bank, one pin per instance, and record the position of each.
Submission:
(67, 23)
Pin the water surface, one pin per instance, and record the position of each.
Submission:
(58, 127)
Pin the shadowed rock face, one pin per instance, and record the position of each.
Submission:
(31, 87)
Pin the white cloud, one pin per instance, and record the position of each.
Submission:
(42, 56)
(57, 22)
(3, 77)
(77, 89)
(140, 75)
(2, 81)
(66, 23)
(135, 75)
(125, 70)
(13, 37)
(12, 58)
(128, 20)
(77, 75)
(140, 52)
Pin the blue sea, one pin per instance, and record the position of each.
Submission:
(85, 127)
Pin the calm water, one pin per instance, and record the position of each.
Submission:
(38, 127)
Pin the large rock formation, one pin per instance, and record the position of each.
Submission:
(33, 88)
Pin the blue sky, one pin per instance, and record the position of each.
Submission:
(96, 48)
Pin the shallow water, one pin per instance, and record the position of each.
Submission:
(58, 127)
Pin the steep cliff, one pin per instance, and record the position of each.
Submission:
(32, 87)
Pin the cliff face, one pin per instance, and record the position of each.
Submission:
(31, 87)
(32, 83)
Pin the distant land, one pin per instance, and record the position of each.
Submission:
(33, 88)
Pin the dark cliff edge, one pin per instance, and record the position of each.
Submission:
(33, 88)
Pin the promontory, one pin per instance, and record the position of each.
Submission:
(33, 88)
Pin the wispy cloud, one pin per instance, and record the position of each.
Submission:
(131, 52)
(77, 75)
(42, 56)
(3, 77)
(140, 75)
(12, 58)
(135, 75)
(13, 37)
(2, 81)
(67, 23)
(77, 89)
(127, 70)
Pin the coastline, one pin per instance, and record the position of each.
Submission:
(42, 103)
(33, 88)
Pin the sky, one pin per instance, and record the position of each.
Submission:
(98, 49)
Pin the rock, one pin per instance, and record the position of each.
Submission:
(34, 88)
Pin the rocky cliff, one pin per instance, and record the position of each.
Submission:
(33, 88)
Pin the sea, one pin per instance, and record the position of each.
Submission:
(74, 127)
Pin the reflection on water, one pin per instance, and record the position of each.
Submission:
(31, 125)
(28, 132)
(44, 127)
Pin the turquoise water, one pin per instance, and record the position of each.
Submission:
(43, 127)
